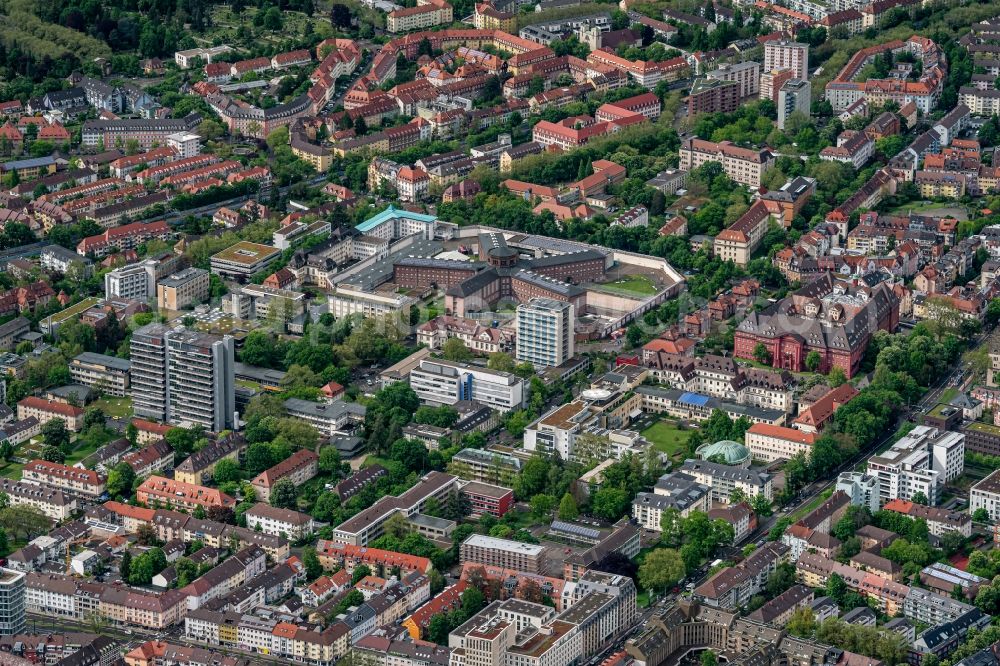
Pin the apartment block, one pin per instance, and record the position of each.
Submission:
(784, 54)
(298, 468)
(168, 492)
(545, 332)
(746, 74)
(503, 553)
(285, 523)
(367, 525)
(745, 166)
(148, 356)
(135, 281)
(107, 374)
(795, 95)
(54, 503)
(725, 479)
(47, 410)
(986, 495)
(184, 289)
(70, 479)
(921, 462)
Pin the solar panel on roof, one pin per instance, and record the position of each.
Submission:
(579, 530)
(694, 399)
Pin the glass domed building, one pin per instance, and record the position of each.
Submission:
(727, 451)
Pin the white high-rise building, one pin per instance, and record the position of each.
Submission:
(921, 462)
(12, 593)
(136, 282)
(545, 329)
(794, 95)
(783, 54)
(148, 356)
(183, 377)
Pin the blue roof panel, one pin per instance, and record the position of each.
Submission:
(694, 399)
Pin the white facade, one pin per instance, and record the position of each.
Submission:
(794, 95)
(187, 144)
(921, 462)
(986, 495)
(442, 382)
(346, 301)
(861, 488)
(545, 329)
(783, 54)
(136, 282)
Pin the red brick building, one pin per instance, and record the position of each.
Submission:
(834, 317)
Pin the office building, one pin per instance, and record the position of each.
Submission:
(244, 259)
(861, 488)
(921, 462)
(180, 290)
(107, 374)
(503, 553)
(986, 495)
(183, 377)
(769, 443)
(148, 358)
(12, 593)
(783, 54)
(201, 383)
(440, 382)
(135, 281)
(545, 329)
(794, 95)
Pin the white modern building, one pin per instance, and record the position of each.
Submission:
(330, 419)
(12, 595)
(794, 95)
(545, 332)
(986, 495)
(861, 488)
(921, 462)
(183, 377)
(135, 281)
(440, 382)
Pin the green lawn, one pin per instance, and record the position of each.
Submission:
(948, 394)
(82, 451)
(810, 506)
(120, 407)
(667, 438)
(633, 285)
(12, 471)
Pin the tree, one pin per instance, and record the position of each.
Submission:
(708, 657)
(53, 454)
(473, 601)
(761, 505)
(542, 505)
(226, 470)
(125, 565)
(120, 480)
(919, 498)
(661, 569)
(284, 494)
(132, 433)
(567, 508)
(360, 572)
(761, 353)
(836, 377)
(802, 623)
(813, 361)
(312, 564)
(981, 516)
(454, 349)
(54, 433)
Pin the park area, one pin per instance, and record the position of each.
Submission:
(668, 438)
